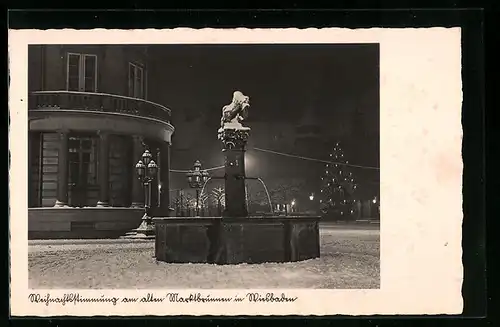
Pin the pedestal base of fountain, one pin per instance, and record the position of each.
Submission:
(236, 240)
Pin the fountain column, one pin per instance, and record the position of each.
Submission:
(234, 142)
(236, 238)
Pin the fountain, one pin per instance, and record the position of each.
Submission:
(258, 179)
(236, 237)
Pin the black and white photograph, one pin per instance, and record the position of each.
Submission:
(235, 172)
(257, 165)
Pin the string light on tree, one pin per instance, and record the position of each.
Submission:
(337, 188)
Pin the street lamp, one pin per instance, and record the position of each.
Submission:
(146, 172)
(196, 179)
(311, 197)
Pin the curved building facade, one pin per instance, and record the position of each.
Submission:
(89, 122)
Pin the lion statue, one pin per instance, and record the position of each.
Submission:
(237, 111)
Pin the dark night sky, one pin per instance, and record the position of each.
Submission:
(341, 83)
(280, 79)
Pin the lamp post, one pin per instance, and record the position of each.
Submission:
(196, 179)
(147, 171)
(312, 203)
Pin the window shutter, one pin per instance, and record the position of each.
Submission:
(90, 73)
(139, 84)
(135, 81)
(131, 79)
(73, 72)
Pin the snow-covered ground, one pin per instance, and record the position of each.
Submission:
(349, 259)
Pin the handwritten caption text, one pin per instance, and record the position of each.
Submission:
(76, 298)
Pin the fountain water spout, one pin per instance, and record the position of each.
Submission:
(205, 184)
(258, 178)
(267, 193)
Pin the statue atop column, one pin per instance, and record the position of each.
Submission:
(235, 112)
(234, 136)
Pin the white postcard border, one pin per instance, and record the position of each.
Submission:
(420, 161)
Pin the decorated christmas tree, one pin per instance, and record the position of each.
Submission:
(338, 187)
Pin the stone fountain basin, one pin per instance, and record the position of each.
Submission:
(230, 240)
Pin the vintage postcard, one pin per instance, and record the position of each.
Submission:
(235, 172)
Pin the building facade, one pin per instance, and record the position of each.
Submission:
(89, 123)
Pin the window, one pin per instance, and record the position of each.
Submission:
(135, 81)
(81, 72)
(82, 169)
(83, 159)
